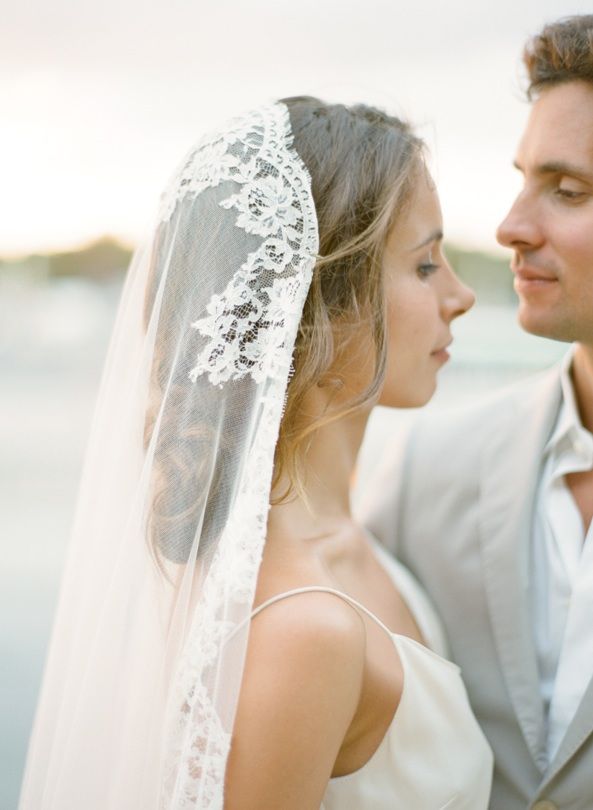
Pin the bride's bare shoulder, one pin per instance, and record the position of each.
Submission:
(307, 617)
(295, 624)
(300, 692)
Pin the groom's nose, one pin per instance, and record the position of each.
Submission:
(519, 228)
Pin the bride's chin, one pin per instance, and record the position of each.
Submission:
(412, 397)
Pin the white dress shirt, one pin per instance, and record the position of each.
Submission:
(562, 566)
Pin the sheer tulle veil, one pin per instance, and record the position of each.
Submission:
(145, 661)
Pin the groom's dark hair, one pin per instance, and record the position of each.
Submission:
(561, 52)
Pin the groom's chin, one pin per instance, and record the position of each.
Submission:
(545, 323)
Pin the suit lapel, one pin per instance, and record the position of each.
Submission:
(580, 728)
(508, 484)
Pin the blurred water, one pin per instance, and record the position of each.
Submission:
(52, 341)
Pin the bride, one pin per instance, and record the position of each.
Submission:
(227, 635)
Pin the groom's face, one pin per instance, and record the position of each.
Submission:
(550, 225)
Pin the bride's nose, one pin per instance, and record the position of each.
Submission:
(458, 298)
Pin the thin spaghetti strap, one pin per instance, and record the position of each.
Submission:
(321, 589)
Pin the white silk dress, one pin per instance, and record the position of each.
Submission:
(434, 755)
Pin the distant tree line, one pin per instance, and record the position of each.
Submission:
(106, 259)
(102, 260)
(488, 275)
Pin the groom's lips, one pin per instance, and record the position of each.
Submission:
(533, 279)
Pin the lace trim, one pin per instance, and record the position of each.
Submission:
(250, 330)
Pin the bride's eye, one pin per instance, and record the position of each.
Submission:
(426, 269)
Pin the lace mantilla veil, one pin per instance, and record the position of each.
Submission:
(146, 657)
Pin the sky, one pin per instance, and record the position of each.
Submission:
(100, 101)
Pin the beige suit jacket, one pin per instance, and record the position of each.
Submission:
(456, 507)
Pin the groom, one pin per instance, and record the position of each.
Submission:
(491, 507)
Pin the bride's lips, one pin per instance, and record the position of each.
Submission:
(442, 355)
(533, 279)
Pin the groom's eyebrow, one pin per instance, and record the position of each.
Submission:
(435, 236)
(559, 167)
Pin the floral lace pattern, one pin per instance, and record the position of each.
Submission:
(248, 330)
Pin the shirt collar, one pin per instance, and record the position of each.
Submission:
(569, 427)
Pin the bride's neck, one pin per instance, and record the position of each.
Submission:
(329, 467)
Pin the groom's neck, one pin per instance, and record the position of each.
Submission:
(582, 377)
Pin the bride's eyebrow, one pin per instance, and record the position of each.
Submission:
(435, 236)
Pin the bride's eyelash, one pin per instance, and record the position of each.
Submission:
(427, 268)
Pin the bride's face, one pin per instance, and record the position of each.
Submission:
(423, 295)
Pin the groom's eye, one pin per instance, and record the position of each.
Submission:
(570, 189)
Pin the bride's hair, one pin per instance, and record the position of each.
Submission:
(363, 165)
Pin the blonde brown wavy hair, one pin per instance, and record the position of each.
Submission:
(363, 165)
